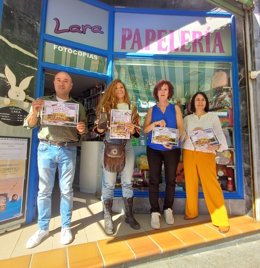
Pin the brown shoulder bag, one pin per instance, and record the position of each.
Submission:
(114, 156)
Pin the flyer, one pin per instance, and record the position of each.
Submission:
(60, 113)
(118, 119)
(165, 136)
(201, 138)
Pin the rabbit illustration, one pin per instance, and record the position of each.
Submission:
(16, 93)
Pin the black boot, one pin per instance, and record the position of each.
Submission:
(129, 217)
(109, 228)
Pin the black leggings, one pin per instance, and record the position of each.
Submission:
(156, 158)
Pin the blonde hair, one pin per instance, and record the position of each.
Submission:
(109, 100)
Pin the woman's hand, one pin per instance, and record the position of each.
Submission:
(160, 123)
(213, 147)
(168, 146)
(99, 130)
(130, 127)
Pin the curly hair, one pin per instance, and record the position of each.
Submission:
(159, 85)
(109, 100)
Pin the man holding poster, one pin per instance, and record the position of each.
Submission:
(57, 149)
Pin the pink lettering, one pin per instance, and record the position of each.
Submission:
(75, 28)
(207, 40)
(137, 40)
(218, 43)
(150, 37)
(85, 28)
(185, 39)
(196, 41)
(172, 45)
(171, 41)
(126, 36)
(161, 40)
(57, 27)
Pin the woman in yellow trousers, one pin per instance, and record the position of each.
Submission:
(199, 163)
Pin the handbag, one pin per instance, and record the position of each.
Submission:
(114, 156)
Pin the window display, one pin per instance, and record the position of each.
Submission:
(188, 77)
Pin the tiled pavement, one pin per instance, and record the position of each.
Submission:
(92, 248)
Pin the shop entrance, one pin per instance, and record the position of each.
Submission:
(88, 91)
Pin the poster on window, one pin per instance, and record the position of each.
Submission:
(13, 177)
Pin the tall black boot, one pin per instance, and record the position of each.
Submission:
(129, 217)
(109, 227)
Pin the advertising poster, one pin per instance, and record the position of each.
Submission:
(165, 136)
(201, 138)
(117, 124)
(60, 113)
(13, 173)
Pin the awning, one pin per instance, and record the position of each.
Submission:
(237, 7)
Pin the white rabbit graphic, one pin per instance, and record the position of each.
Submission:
(17, 92)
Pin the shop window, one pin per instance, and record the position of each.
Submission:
(74, 58)
(188, 77)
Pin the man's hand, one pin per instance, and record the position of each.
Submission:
(37, 106)
(81, 127)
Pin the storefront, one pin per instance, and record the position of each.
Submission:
(195, 50)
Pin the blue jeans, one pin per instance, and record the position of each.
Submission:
(51, 157)
(109, 178)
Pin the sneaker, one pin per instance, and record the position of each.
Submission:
(155, 220)
(168, 216)
(66, 236)
(37, 238)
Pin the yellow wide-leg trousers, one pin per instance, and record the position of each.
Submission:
(200, 165)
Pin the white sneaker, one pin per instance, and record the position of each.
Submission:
(66, 236)
(37, 238)
(155, 220)
(168, 216)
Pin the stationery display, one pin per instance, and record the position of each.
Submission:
(165, 136)
(118, 119)
(60, 113)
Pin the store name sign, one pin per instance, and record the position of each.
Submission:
(78, 22)
(171, 41)
(75, 28)
(165, 34)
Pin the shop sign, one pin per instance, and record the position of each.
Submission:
(77, 21)
(172, 34)
(74, 58)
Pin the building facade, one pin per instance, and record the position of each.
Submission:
(222, 61)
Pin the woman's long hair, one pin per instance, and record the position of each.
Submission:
(109, 100)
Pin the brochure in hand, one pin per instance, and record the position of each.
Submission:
(118, 119)
(201, 138)
(165, 136)
(60, 113)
